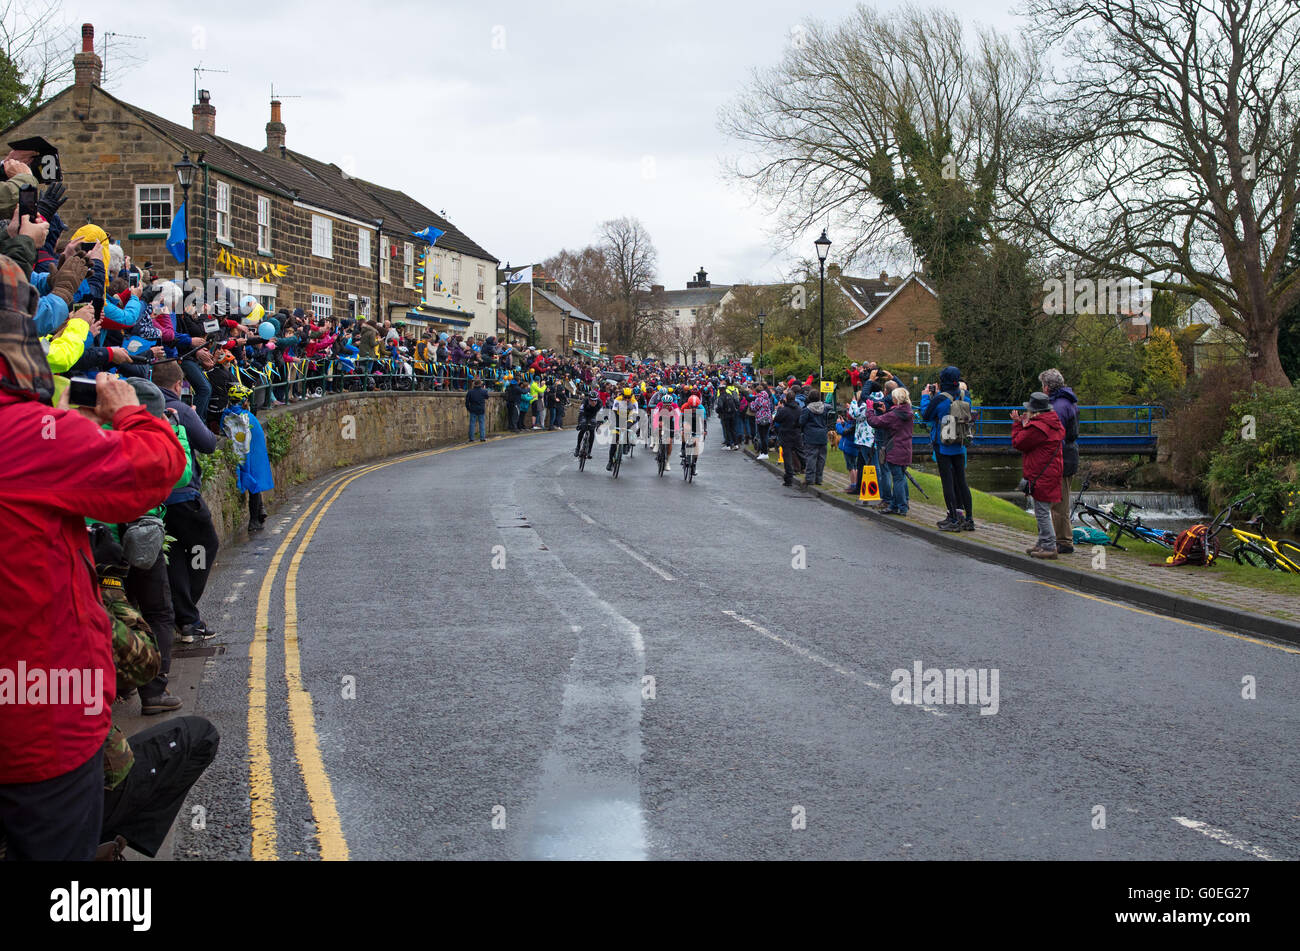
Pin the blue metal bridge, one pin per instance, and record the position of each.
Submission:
(1103, 430)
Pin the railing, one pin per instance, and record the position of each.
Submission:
(305, 379)
(1100, 427)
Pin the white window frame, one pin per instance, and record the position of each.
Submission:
(408, 264)
(928, 353)
(322, 305)
(322, 237)
(482, 282)
(171, 210)
(455, 275)
(385, 271)
(363, 247)
(363, 307)
(264, 224)
(223, 212)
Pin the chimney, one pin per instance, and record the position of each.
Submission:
(656, 289)
(884, 277)
(275, 129)
(833, 271)
(87, 67)
(205, 114)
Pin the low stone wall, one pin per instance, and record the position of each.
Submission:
(309, 439)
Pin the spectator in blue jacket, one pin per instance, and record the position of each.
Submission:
(936, 403)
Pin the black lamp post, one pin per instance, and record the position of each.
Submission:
(564, 334)
(823, 245)
(762, 319)
(185, 170)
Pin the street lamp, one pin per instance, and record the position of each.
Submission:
(823, 245)
(564, 334)
(762, 319)
(185, 170)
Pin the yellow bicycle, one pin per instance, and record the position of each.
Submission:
(1257, 550)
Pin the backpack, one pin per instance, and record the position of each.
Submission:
(955, 425)
(1194, 546)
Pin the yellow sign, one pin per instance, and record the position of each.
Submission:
(870, 491)
(250, 267)
(828, 386)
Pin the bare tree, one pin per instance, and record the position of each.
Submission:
(1169, 148)
(586, 279)
(38, 42)
(633, 261)
(892, 126)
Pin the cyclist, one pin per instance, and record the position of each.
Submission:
(623, 412)
(665, 401)
(589, 411)
(693, 422)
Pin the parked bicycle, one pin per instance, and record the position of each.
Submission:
(1118, 522)
(1256, 548)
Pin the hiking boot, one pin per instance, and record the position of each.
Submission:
(1063, 549)
(1042, 553)
(968, 525)
(165, 702)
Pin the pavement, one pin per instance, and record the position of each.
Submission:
(481, 653)
(1188, 592)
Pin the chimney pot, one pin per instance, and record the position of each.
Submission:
(205, 114)
(87, 67)
(275, 130)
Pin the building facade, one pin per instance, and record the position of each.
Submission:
(899, 319)
(284, 227)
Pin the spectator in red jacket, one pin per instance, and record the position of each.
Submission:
(59, 468)
(1037, 435)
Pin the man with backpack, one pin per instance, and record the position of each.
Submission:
(1066, 406)
(728, 407)
(946, 407)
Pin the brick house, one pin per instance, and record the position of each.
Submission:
(898, 319)
(271, 222)
(561, 326)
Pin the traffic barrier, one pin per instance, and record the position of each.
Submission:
(870, 491)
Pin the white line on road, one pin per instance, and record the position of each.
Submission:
(582, 515)
(1226, 838)
(653, 567)
(818, 658)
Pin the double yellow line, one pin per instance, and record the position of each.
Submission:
(311, 765)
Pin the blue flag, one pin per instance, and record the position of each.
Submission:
(430, 234)
(176, 237)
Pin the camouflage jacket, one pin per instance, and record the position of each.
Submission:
(137, 661)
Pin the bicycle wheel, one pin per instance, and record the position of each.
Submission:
(1290, 560)
(1253, 555)
(618, 461)
(662, 457)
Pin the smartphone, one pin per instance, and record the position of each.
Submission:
(88, 246)
(82, 393)
(27, 196)
(134, 279)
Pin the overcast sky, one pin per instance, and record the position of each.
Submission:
(593, 109)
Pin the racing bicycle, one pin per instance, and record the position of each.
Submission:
(1256, 548)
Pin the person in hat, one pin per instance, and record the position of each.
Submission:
(1037, 434)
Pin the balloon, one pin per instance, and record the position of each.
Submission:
(266, 330)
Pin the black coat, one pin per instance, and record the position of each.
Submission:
(476, 400)
(786, 421)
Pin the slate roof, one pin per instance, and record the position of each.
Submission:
(313, 182)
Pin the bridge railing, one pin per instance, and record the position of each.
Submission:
(1121, 426)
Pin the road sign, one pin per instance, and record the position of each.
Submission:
(828, 386)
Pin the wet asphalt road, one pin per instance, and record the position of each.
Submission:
(507, 658)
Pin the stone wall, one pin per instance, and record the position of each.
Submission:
(338, 431)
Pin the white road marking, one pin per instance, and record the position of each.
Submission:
(1226, 838)
(582, 515)
(653, 567)
(818, 658)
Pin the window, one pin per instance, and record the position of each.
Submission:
(223, 212)
(383, 258)
(153, 207)
(322, 237)
(923, 354)
(322, 305)
(363, 247)
(439, 267)
(363, 307)
(455, 276)
(408, 264)
(264, 224)
(482, 282)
